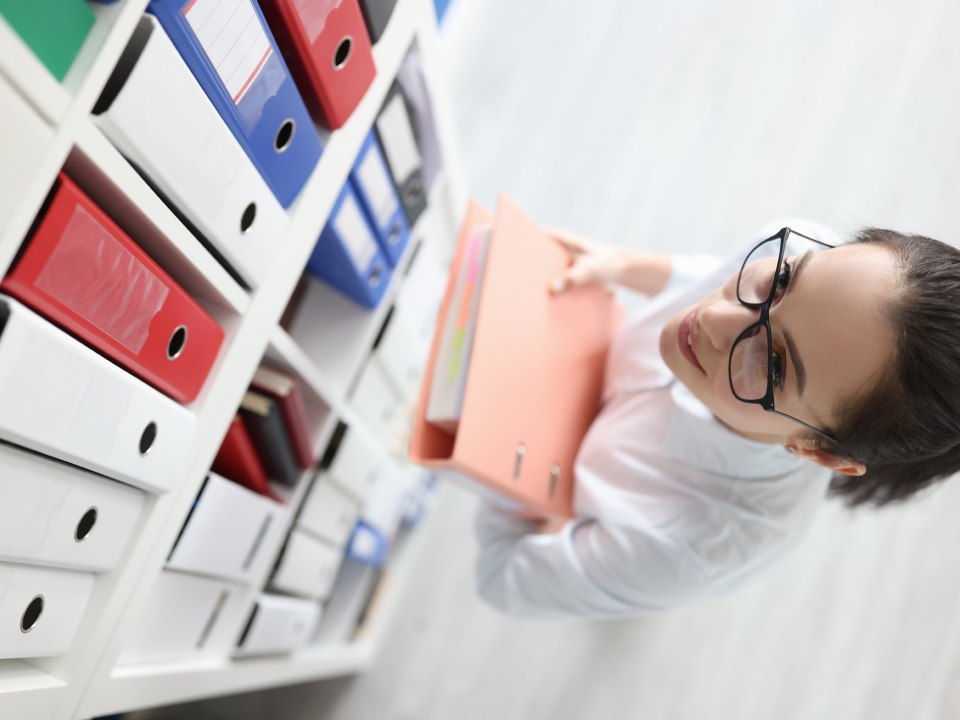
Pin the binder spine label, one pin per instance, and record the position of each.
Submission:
(90, 272)
(399, 143)
(373, 175)
(232, 35)
(356, 234)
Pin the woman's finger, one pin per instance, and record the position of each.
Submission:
(573, 243)
(581, 273)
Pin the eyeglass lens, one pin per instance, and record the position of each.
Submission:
(758, 283)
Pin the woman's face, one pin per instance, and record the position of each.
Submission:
(827, 326)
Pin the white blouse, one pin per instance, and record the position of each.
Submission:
(671, 506)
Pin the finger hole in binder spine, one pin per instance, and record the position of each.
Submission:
(86, 524)
(284, 136)
(148, 437)
(32, 614)
(342, 54)
(177, 342)
(249, 215)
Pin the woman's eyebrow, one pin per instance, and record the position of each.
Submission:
(800, 372)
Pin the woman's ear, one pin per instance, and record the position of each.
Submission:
(842, 465)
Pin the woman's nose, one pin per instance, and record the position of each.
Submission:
(723, 321)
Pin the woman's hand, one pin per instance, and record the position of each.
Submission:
(595, 263)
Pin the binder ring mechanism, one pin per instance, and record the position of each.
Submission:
(284, 135)
(342, 53)
(376, 275)
(395, 231)
(30, 616)
(177, 342)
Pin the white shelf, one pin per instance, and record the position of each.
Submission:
(84, 681)
(27, 692)
(25, 71)
(136, 687)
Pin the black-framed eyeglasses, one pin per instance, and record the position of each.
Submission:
(756, 369)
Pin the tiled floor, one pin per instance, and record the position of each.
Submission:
(684, 126)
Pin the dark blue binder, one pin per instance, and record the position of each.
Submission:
(347, 255)
(373, 184)
(230, 51)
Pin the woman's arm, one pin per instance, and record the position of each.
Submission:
(585, 570)
(596, 263)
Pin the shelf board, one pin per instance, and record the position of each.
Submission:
(26, 73)
(27, 692)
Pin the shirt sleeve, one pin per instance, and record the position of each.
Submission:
(587, 570)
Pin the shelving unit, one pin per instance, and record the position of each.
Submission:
(85, 681)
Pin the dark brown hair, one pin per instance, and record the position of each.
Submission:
(906, 430)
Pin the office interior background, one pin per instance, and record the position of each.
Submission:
(684, 127)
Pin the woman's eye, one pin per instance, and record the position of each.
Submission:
(776, 371)
(783, 278)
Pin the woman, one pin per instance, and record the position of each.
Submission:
(739, 396)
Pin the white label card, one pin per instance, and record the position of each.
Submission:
(231, 34)
(397, 137)
(375, 179)
(355, 233)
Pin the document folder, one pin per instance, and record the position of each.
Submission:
(87, 276)
(347, 255)
(376, 14)
(285, 391)
(229, 49)
(159, 118)
(395, 132)
(278, 624)
(62, 399)
(371, 180)
(40, 609)
(328, 52)
(237, 460)
(187, 617)
(57, 514)
(264, 421)
(231, 533)
(535, 371)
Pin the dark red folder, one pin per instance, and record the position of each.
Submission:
(81, 271)
(284, 389)
(237, 460)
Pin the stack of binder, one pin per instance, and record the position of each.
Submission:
(59, 525)
(98, 348)
(366, 233)
(515, 375)
(269, 439)
(232, 54)
(226, 545)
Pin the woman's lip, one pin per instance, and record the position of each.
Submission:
(688, 329)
